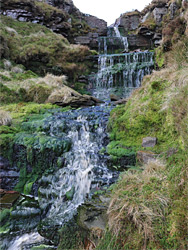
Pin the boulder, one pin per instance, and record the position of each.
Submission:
(92, 218)
(69, 97)
(149, 142)
(144, 157)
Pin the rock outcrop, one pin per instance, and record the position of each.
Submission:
(69, 97)
(144, 29)
(37, 12)
(61, 16)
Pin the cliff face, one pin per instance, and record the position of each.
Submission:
(60, 16)
(147, 28)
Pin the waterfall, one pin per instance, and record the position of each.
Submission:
(28, 239)
(84, 170)
(122, 38)
(119, 73)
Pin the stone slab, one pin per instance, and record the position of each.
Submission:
(8, 200)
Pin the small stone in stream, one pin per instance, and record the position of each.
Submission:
(121, 101)
(149, 142)
(114, 98)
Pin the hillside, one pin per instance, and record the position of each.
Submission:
(148, 209)
(85, 175)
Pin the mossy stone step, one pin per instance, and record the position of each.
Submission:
(8, 199)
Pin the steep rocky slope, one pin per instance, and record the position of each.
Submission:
(148, 27)
(60, 16)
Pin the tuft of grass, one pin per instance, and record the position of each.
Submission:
(5, 118)
(137, 200)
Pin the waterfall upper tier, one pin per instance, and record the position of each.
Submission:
(120, 73)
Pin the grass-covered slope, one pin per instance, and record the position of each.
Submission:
(41, 50)
(148, 208)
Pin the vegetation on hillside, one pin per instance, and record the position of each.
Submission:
(41, 50)
(148, 208)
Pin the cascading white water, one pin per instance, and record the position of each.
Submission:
(121, 72)
(19, 242)
(83, 172)
(123, 39)
(77, 176)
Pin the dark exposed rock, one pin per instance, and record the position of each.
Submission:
(90, 39)
(29, 11)
(149, 142)
(114, 98)
(9, 175)
(50, 230)
(99, 25)
(139, 41)
(67, 6)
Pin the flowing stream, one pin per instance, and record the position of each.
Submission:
(84, 171)
(83, 168)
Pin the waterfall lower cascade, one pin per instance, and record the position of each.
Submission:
(84, 169)
(60, 193)
(119, 72)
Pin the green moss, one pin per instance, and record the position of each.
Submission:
(23, 76)
(43, 247)
(149, 23)
(71, 237)
(160, 57)
(128, 127)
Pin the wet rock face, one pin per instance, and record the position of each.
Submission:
(139, 41)
(9, 175)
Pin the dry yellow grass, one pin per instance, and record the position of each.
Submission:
(136, 201)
